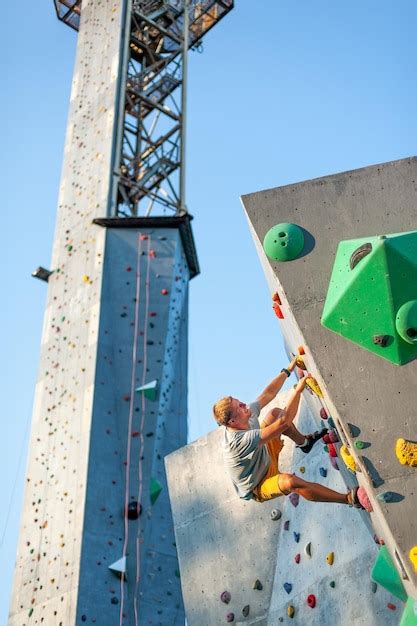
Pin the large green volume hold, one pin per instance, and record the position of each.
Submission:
(372, 295)
(385, 574)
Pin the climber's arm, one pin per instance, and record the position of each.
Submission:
(272, 389)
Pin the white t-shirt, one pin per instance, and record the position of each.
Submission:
(246, 460)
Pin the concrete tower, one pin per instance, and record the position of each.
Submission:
(96, 543)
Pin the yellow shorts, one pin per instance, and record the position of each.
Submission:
(269, 488)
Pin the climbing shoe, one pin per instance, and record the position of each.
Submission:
(312, 439)
(312, 384)
(406, 452)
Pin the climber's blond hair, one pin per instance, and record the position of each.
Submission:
(222, 411)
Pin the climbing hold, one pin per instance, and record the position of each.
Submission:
(307, 549)
(149, 390)
(301, 350)
(412, 555)
(225, 597)
(287, 524)
(152, 254)
(230, 617)
(299, 361)
(30, 611)
(119, 567)
(297, 558)
(385, 573)
(287, 587)
(360, 445)
(330, 437)
(333, 463)
(331, 422)
(332, 584)
(374, 586)
(311, 601)
(290, 611)
(391, 606)
(143, 237)
(114, 600)
(155, 490)
(331, 450)
(312, 384)
(364, 500)
(275, 514)
(278, 312)
(406, 321)
(330, 558)
(294, 498)
(86, 279)
(348, 459)
(385, 496)
(276, 298)
(302, 469)
(246, 610)
(323, 472)
(381, 340)
(323, 414)
(257, 585)
(296, 537)
(164, 292)
(134, 509)
(406, 452)
(284, 242)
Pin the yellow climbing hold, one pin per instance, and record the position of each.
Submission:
(348, 459)
(86, 279)
(413, 557)
(302, 469)
(406, 452)
(330, 558)
(299, 361)
(291, 611)
(314, 386)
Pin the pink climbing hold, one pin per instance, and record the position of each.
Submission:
(164, 292)
(152, 254)
(294, 498)
(311, 600)
(144, 237)
(225, 597)
(297, 558)
(364, 500)
(230, 617)
(323, 414)
(330, 437)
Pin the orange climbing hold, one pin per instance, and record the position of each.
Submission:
(276, 298)
(301, 350)
(278, 312)
(330, 558)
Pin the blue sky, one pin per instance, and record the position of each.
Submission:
(283, 92)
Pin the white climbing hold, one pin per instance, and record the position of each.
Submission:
(119, 567)
(307, 549)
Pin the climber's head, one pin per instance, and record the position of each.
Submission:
(231, 412)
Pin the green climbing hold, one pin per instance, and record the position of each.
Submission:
(385, 574)
(406, 322)
(155, 490)
(284, 242)
(332, 584)
(360, 445)
(149, 390)
(371, 296)
(409, 616)
(30, 611)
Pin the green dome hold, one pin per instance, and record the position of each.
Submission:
(284, 242)
(406, 321)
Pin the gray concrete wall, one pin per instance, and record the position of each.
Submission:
(360, 388)
(225, 543)
(72, 520)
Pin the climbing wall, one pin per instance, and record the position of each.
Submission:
(115, 320)
(281, 561)
(371, 399)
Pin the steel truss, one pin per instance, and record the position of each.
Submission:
(151, 161)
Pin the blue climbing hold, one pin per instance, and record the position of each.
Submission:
(323, 472)
(296, 537)
(288, 587)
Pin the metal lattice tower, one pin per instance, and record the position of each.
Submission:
(149, 164)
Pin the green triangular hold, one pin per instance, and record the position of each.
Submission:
(149, 390)
(409, 616)
(155, 490)
(385, 574)
(371, 299)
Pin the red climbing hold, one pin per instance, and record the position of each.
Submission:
(152, 314)
(144, 237)
(128, 269)
(301, 350)
(276, 298)
(135, 433)
(391, 606)
(323, 414)
(311, 601)
(152, 254)
(278, 311)
(297, 558)
(126, 398)
(332, 450)
(164, 292)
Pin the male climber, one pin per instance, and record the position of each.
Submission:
(251, 449)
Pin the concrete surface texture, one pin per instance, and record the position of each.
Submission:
(116, 316)
(226, 544)
(370, 399)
